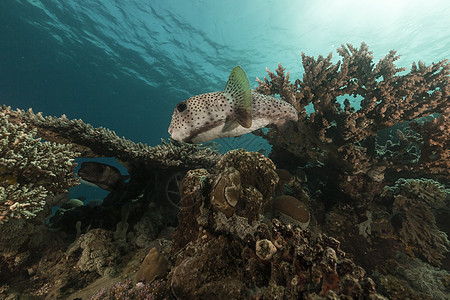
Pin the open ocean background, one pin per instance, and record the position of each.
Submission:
(125, 64)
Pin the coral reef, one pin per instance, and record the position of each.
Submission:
(343, 138)
(338, 212)
(98, 252)
(236, 254)
(404, 277)
(34, 175)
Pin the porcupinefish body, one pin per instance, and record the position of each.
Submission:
(233, 112)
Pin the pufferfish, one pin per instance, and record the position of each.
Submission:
(233, 112)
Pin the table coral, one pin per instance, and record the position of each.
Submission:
(343, 137)
(102, 142)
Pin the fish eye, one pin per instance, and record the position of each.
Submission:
(181, 106)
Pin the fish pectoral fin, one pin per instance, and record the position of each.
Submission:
(239, 93)
(230, 125)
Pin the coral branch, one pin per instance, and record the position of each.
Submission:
(342, 136)
(30, 170)
(102, 142)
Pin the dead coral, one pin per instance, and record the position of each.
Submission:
(342, 137)
(414, 201)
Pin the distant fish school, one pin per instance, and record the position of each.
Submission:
(233, 112)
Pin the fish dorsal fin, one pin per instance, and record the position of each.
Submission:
(240, 95)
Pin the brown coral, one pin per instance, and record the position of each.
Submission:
(226, 191)
(255, 169)
(344, 137)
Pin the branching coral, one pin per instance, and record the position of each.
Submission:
(413, 204)
(30, 170)
(102, 142)
(343, 136)
(434, 144)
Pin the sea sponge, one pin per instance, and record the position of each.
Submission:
(290, 210)
(154, 265)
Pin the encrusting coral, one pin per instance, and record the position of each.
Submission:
(343, 137)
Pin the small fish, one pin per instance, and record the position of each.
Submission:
(234, 112)
(104, 176)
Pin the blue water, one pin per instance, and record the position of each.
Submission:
(125, 64)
